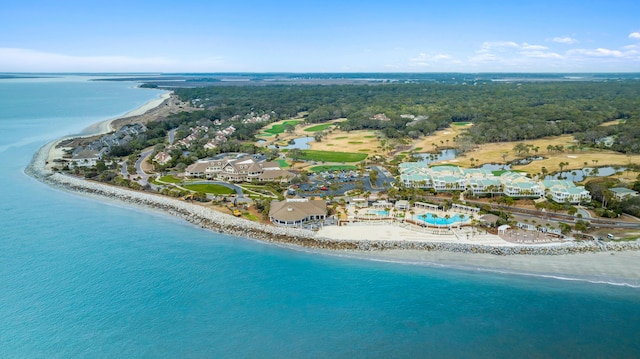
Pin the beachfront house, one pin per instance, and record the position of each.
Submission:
(296, 212)
(86, 157)
(162, 158)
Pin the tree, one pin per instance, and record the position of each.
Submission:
(295, 154)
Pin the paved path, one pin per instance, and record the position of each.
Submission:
(123, 169)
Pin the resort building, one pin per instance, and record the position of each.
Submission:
(482, 181)
(238, 169)
(566, 191)
(296, 212)
(622, 193)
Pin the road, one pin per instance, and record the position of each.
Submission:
(383, 176)
(143, 156)
(172, 135)
(123, 169)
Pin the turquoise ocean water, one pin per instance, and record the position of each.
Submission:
(86, 278)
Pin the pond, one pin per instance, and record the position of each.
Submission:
(496, 167)
(507, 166)
(301, 143)
(444, 155)
(579, 175)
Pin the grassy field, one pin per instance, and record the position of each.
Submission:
(332, 168)
(209, 188)
(318, 128)
(329, 156)
(353, 141)
(279, 128)
(170, 179)
(283, 163)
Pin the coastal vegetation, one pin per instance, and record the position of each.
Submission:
(499, 112)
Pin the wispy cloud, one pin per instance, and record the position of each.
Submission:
(634, 35)
(599, 52)
(564, 40)
(425, 59)
(511, 53)
(526, 46)
(27, 60)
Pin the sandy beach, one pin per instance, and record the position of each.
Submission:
(613, 268)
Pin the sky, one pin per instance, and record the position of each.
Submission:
(320, 36)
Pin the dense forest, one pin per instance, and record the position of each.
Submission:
(499, 111)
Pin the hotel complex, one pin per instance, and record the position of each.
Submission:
(483, 181)
(238, 169)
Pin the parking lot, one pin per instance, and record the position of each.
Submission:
(334, 183)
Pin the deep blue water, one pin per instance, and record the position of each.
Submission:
(86, 278)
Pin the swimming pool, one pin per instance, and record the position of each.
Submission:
(440, 219)
(378, 212)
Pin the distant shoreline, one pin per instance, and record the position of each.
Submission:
(412, 250)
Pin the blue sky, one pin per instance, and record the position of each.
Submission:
(320, 36)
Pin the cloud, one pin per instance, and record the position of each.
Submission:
(424, 59)
(27, 60)
(541, 55)
(511, 53)
(526, 46)
(17, 59)
(489, 46)
(564, 40)
(634, 35)
(599, 52)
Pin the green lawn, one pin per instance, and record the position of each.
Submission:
(318, 128)
(370, 136)
(500, 172)
(283, 163)
(170, 179)
(364, 150)
(330, 156)
(279, 128)
(332, 168)
(460, 123)
(209, 188)
(355, 142)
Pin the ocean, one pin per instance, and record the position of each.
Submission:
(81, 277)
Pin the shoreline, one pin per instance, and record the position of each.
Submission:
(489, 256)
